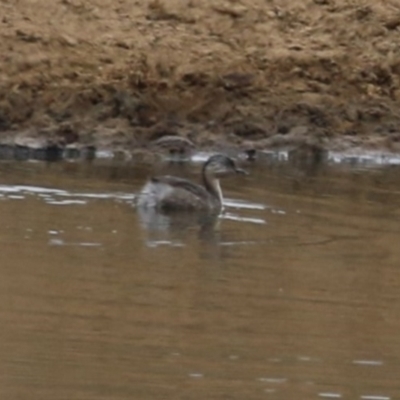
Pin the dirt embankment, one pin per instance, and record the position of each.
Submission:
(122, 73)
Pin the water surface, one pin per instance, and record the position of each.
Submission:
(292, 293)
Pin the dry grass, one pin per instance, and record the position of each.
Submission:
(197, 62)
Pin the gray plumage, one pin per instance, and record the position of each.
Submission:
(170, 193)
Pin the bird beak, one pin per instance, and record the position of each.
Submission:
(241, 171)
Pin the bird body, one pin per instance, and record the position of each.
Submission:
(170, 193)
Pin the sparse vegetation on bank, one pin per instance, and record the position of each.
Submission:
(252, 73)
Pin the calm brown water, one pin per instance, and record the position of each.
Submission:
(294, 293)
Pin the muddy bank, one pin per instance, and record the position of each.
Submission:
(243, 73)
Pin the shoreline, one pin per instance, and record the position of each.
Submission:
(299, 156)
(245, 74)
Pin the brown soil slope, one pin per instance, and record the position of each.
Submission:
(261, 71)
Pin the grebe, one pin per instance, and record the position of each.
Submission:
(170, 193)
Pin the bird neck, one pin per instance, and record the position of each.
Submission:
(212, 186)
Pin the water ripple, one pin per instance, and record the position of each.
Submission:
(330, 395)
(368, 362)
